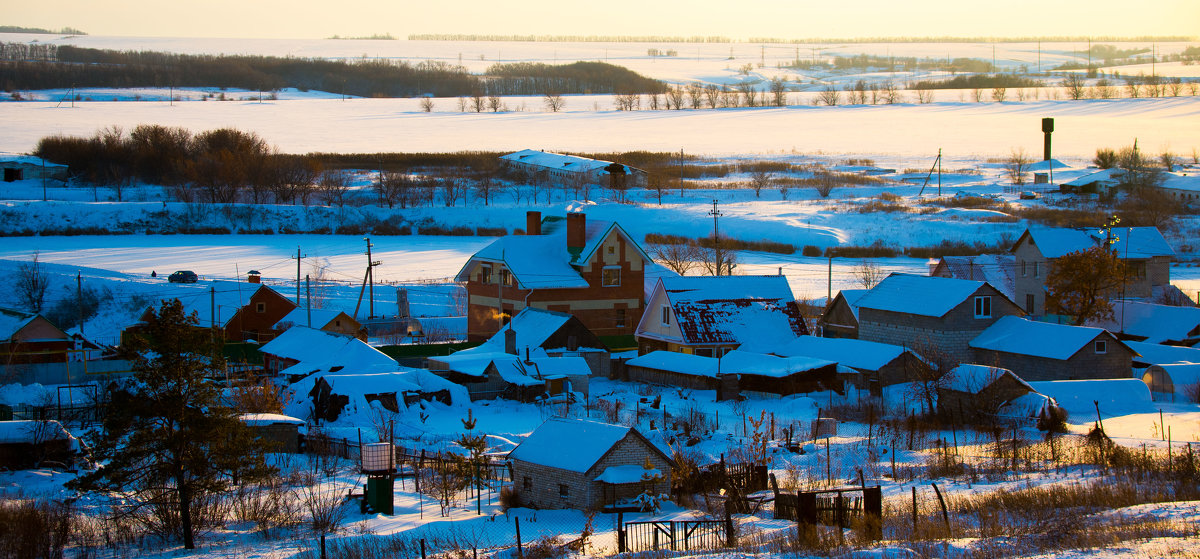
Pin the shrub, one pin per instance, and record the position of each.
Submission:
(491, 231)
(811, 250)
(875, 250)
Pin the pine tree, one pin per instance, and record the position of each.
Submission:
(168, 444)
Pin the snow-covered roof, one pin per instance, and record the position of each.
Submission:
(10, 324)
(588, 442)
(29, 160)
(543, 261)
(1012, 334)
(299, 317)
(652, 271)
(972, 378)
(1107, 176)
(516, 369)
(859, 354)
(996, 269)
(1183, 376)
(1047, 164)
(1156, 354)
(919, 295)
(676, 362)
(556, 161)
(261, 419)
(1182, 181)
(852, 296)
(533, 327)
(1114, 395)
(763, 365)
(1129, 242)
(1156, 323)
(1031, 404)
(754, 311)
(318, 349)
(628, 473)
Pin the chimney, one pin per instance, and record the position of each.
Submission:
(510, 341)
(254, 277)
(533, 223)
(576, 233)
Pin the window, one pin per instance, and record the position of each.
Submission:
(563, 491)
(666, 315)
(620, 322)
(1023, 271)
(260, 307)
(505, 277)
(1029, 301)
(485, 273)
(704, 351)
(1037, 269)
(527, 483)
(612, 249)
(983, 307)
(1101, 347)
(611, 276)
(1137, 269)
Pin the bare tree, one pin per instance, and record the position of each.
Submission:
(31, 283)
(675, 98)
(749, 93)
(695, 95)
(778, 91)
(478, 101)
(333, 186)
(495, 103)
(1075, 85)
(325, 511)
(759, 179)
(825, 184)
(1168, 160)
(712, 94)
(1133, 86)
(891, 94)
(658, 184)
(868, 274)
(427, 104)
(625, 101)
(1103, 89)
(679, 258)
(999, 93)
(1017, 165)
(554, 102)
(462, 104)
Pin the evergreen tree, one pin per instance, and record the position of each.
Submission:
(169, 444)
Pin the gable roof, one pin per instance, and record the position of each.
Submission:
(533, 327)
(1128, 242)
(1156, 323)
(543, 261)
(1106, 176)
(589, 441)
(11, 325)
(858, 354)
(317, 349)
(1020, 336)
(757, 311)
(675, 362)
(320, 317)
(996, 269)
(851, 297)
(1156, 354)
(226, 298)
(972, 378)
(919, 295)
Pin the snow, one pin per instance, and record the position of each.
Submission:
(1156, 354)
(919, 295)
(1012, 334)
(589, 441)
(318, 348)
(1157, 323)
(1115, 396)
(300, 316)
(1184, 378)
(1027, 405)
(996, 269)
(752, 311)
(972, 379)
(532, 326)
(263, 419)
(759, 364)
(21, 431)
(1128, 242)
(676, 362)
(629, 473)
(859, 354)
(11, 323)
(555, 161)
(536, 261)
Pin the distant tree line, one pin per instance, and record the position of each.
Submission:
(773, 40)
(40, 31)
(65, 66)
(569, 38)
(904, 63)
(978, 81)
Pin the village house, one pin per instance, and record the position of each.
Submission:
(32, 338)
(326, 396)
(935, 317)
(568, 170)
(1183, 186)
(320, 350)
(329, 320)
(1157, 324)
(709, 316)
(877, 364)
(606, 467)
(1041, 351)
(840, 317)
(240, 311)
(29, 167)
(592, 270)
(971, 392)
(996, 269)
(1145, 252)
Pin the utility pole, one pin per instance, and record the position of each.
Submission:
(79, 300)
(681, 172)
(297, 258)
(371, 264)
(308, 299)
(716, 239)
(829, 282)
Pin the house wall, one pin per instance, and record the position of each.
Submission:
(1029, 282)
(950, 334)
(1116, 362)
(671, 378)
(838, 320)
(597, 306)
(543, 489)
(254, 323)
(630, 450)
(961, 406)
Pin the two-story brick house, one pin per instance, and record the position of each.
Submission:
(935, 317)
(1146, 254)
(587, 465)
(593, 270)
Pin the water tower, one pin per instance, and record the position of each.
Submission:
(379, 464)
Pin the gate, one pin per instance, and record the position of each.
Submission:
(673, 535)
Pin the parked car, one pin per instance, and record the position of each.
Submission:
(183, 276)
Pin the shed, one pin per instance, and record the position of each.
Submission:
(879, 364)
(972, 391)
(676, 369)
(29, 444)
(840, 317)
(1176, 382)
(743, 371)
(604, 469)
(1045, 351)
(281, 431)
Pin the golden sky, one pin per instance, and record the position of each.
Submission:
(736, 19)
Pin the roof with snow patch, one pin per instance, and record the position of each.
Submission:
(588, 441)
(996, 269)
(1128, 242)
(555, 161)
(1156, 354)
(859, 354)
(317, 349)
(1012, 334)
(919, 295)
(1156, 323)
(756, 311)
(764, 365)
(675, 362)
(299, 317)
(1183, 180)
(972, 378)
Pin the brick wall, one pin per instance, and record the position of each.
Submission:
(1116, 362)
(543, 489)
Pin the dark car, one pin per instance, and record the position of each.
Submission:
(183, 276)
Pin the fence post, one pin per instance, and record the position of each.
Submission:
(914, 510)
(620, 532)
(730, 535)
(945, 515)
(873, 511)
(422, 548)
(520, 551)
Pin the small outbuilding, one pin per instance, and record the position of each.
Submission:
(589, 465)
(31, 444)
(1175, 382)
(1045, 351)
(282, 432)
(969, 392)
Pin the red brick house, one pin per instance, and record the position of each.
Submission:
(28, 339)
(591, 270)
(253, 309)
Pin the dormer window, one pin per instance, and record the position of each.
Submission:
(983, 306)
(666, 315)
